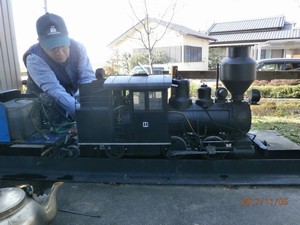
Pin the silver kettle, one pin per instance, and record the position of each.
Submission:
(19, 208)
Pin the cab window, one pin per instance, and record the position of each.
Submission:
(139, 101)
(155, 100)
(148, 100)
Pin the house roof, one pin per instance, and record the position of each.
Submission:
(250, 31)
(255, 24)
(179, 28)
(258, 36)
(184, 30)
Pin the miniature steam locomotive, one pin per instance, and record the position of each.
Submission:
(142, 115)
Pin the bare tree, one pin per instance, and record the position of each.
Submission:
(147, 29)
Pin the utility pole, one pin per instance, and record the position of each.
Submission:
(45, 6)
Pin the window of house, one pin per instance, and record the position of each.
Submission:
(271, 53)
(277, 53)
(172, 53)
(192, 54)
(263, 54)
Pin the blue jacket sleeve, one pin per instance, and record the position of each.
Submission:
(45, 78)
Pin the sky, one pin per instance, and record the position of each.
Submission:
(96, 23)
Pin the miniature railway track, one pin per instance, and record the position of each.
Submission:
(153, 171)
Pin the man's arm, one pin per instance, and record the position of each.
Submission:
(45, 78)
(86, 72)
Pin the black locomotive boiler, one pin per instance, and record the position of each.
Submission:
(141, 115)
(154, 114)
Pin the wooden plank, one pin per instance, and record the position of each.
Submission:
(260, 75)
(271, 75)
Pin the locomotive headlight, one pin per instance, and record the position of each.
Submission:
(254, 96)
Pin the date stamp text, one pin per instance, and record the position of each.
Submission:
(264, 202)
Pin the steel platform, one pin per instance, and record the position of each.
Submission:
(271, 171)
(154, 171)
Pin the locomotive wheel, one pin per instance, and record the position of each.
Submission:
(115, 152)
(216, 145)
(177, 144)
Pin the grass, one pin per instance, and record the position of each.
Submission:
(279, 115)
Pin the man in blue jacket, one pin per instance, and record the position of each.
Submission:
(57, 65)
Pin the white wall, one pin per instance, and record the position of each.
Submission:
(171, 38)
(197, 42)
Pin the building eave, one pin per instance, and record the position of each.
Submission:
(180, 29)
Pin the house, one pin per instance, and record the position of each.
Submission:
(183, 47)
(268, 37)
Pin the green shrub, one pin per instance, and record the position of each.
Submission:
(195, 85)
(267, 91)
(193, 89)
(283, 91)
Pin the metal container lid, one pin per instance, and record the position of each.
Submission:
(11, 199)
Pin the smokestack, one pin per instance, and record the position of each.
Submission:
(237, 71)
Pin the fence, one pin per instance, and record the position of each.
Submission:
(260, 75)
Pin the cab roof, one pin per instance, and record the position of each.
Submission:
(138, 82)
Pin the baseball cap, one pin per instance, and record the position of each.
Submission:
(52, 31)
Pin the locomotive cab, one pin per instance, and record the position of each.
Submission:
(125, 111)
(149, 117)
